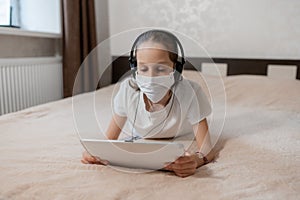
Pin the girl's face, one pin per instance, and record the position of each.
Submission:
(153, 60)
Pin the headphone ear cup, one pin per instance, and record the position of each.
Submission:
(178, 71)
(133, 67)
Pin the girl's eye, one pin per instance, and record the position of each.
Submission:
(161, 69)
(143, 69)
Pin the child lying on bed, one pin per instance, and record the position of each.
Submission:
(159, 102)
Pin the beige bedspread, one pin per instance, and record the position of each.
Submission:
(259, 152)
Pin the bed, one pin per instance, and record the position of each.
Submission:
(258, 151)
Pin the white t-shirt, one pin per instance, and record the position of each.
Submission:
(187, 107)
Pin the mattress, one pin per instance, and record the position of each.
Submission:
(258, 149)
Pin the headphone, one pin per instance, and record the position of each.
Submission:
(178, 64)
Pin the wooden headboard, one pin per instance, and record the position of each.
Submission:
(235, 66)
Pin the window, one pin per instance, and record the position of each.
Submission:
(32, 15)
(9, 13)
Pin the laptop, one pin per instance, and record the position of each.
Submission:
(139, 154)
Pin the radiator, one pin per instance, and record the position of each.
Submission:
(26, 82)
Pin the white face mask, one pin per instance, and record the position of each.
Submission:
(155, 87)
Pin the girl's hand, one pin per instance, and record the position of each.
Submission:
(89, 159)
(184, 166)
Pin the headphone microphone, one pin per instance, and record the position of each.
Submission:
(178, 64)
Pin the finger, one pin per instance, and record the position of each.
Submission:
(186, 162)
(94, 162)
(168, 167)
(184, 159)
(88, 157)
(179, 174)
(104, 162)
(185, 171)
(180, 166)
(183, 175)
(167, 164)
(85, 154)
(101, 161)
(88, 162)
(84, 161)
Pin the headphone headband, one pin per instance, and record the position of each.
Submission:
(132, 58)
(178, 64)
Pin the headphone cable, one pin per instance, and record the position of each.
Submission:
(134, 138)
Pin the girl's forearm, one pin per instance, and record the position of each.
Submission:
(115, 127)
(202, 137)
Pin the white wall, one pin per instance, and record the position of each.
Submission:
(226, 28)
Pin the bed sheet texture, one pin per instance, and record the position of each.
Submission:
(258, 151)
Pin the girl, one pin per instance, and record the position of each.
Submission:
(158, 103)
